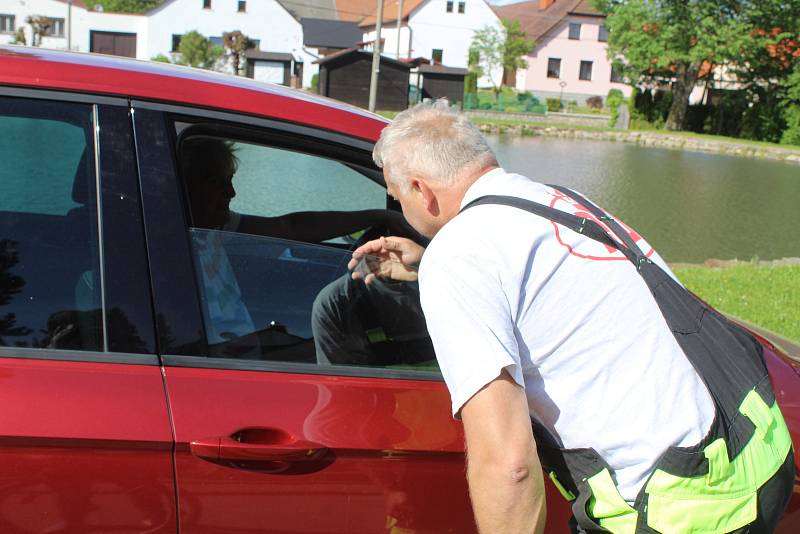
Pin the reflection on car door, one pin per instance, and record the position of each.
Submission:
(84, 432)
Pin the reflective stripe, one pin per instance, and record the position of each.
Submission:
(567, 494)
(719, 466)
(608, 508)
(717, 502)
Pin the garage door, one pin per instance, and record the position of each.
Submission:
(269, 71)
(114, 43)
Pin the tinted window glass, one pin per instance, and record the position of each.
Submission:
(272, 232)
(49, 267)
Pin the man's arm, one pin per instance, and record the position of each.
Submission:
(503, 470)
(317, 226)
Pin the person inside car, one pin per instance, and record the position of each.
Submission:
(208, 165)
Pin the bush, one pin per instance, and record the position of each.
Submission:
(595, 102)
(485, 105)
(791, 135)
(553, 104)
(161, 58)
(614, 100)
(315, 83)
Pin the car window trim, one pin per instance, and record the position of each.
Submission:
(352, 142)
(210, 362)
(63, 96)
(99, 212)
(28, 353)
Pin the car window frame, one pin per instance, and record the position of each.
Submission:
(126, 184)
(352, 151)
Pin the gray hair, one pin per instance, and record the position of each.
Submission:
(433, 141)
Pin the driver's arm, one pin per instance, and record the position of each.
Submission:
(317, 226)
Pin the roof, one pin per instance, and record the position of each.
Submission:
(390, 8)
(75, 3)
(537, 23)
(321, 33)
(318, 9)
(441, 69)
(354, 10)
(355, 51)
(585, 8)
(22, 66)
(268, 56)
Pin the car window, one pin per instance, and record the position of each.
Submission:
(50, 292)
(272, 231)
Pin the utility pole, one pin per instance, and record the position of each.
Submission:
(399, 25)
(69, 24)
(376, 59)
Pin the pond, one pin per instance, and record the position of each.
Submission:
(690, 206)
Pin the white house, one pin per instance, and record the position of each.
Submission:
(278, 35)
(440, 30)
(570, 58)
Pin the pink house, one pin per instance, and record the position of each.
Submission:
(569, 60)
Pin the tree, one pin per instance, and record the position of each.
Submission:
(515, 46)
(123, 6)
(39, 26)
(677, 39)
(237, 44)
(197, 51)
(497, 49)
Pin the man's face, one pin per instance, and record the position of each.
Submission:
(414, 205)
(210, 195)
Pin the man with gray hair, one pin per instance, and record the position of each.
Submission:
(550, 322)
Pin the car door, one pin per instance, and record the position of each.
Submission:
(84, 433)
(276, 428)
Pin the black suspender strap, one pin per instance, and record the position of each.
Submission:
(618, 230)
(582, 225)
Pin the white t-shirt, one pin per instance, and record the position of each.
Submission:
(570, 320)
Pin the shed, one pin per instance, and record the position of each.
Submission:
(439, 81)
(272, 67)
(346, 75)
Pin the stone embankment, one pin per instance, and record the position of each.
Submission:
(652, 139)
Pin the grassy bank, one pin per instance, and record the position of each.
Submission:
(768, 296)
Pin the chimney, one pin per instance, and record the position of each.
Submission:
(544, 4)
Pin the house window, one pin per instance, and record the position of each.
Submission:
(574, 31)
(436, 55)
(206, 4)
(7, 24)
(176, 42)
(586, 71)
(553, 67)
(449, 6)
(461, 7)
(56, 28)
(616, 74)
(602, 34)
(242, 6)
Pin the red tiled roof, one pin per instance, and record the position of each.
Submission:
(536, 22)
(390, 11)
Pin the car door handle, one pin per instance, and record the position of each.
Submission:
(257, 445)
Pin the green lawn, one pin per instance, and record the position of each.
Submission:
(764, 295)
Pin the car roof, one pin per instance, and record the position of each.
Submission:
(149, 80)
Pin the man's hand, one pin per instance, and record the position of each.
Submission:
(393, 258)
(503, 470)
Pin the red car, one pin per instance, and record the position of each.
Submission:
(158, 375)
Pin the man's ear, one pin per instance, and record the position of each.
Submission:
(420, 186)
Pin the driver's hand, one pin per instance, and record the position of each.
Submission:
(393, 258)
